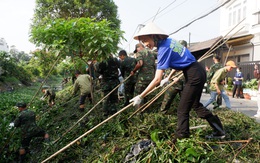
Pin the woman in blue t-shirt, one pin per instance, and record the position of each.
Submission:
(238, 83)
(171, 54)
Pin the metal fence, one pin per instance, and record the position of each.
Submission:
(247, 68)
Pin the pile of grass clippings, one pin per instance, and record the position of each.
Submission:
(112, 141)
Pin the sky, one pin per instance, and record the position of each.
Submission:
(16, 15)
(15, 18)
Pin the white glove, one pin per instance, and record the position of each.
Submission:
(164, 81)
(11, 124)
(42, 98)
(136, 100)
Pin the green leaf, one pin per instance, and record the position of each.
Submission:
(191, 151)
(103, 45)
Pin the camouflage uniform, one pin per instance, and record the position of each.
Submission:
(109, 71)
(210, 74)
(212, 71)
(26, 120)
(127, 65)
(83, 83)
(146, 72)
(170, 93)
(51, 94)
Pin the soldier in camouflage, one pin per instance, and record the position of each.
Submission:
(217, 65)
(171, 93)
(127, 65)
(82, 83)
(213, 68)
(51, 94)
(109, 71)
(26, 120)
(146, 69)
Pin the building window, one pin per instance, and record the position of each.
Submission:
(244, 12)
(243, 58)
(257, 17)
(236, 13)
(234, 17)
(229, 19)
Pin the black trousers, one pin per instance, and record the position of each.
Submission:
(195, 77)
(236, 90)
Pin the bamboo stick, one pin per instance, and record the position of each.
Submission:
(90, 110)
(89, 131)
(86, 133)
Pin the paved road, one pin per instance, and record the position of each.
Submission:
(248, 107)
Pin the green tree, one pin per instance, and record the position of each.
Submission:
(82, 37)
(89, 29)
(42, 61)
(19, 56)
(68, 66)
(98, 9)
(10, 69)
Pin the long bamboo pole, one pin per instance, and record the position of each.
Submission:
(86, 133)
(206, 55)
(89, 131)
(214, 47)
(90, 110)
(58, 58)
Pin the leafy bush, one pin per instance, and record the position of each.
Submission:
(251, 84)
(10, 69)
(229, 85)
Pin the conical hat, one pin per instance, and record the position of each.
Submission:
(151, 29)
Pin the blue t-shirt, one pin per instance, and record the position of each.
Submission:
(171, 54)
(239, 75)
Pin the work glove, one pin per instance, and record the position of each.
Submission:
(136, 100)
(42, 98)
(11, 125)
(164, 81)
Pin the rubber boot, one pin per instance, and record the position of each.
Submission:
(22, 158)
(81, 108)
(22, 154)
(47, 140)
(216, 124)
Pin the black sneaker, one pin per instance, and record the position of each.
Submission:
(74, 116)
(215, 136)
(180, 136)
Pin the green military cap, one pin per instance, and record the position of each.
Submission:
(21, 105)
(183, 43)
(216, 56)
